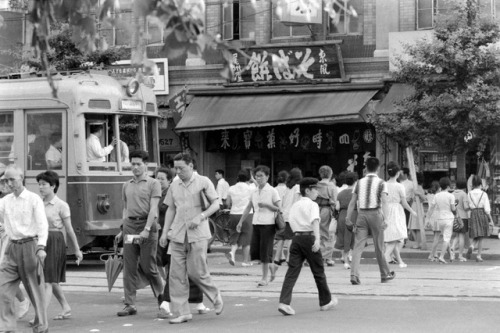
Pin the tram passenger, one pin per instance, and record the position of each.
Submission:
(53, 156)
(124, 152)
(95, 152)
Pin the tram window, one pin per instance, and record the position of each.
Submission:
(6, 138)
(44, 141)
(150, 126)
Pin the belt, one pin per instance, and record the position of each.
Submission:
(24, 240)
(368, 209)
(137, 218)
(303, 233)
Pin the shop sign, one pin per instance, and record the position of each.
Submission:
(177, 102)
(351, 138)
(291, 63)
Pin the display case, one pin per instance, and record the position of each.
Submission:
(434, 161)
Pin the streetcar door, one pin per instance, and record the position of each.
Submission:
(45, 144)
(7, 139)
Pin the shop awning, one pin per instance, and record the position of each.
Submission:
(398, 92)
(207, 113)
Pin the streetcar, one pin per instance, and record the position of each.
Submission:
(32, 122)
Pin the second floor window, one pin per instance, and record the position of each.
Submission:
(427, 10)
(349, 19)
(281, 30)
(238, 17)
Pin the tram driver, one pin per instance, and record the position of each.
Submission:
(95, 152)
(53, 156)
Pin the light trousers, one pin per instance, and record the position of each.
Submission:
(189, 260)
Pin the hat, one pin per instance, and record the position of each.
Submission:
(308, 182)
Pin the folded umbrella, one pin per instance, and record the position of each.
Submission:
(113, 267)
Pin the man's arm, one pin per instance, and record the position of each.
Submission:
(43, 228)
(316, 245)
(384, 202)
(350, 209)
(98, 150)
(169, 219)
(152, 216)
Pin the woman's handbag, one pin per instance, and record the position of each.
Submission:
(458, 224)
(279, 221)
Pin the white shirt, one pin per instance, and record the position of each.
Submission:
(54, 155)
(291, 196)
(442, 203)
(409, 189)
(24, 216)
(95, 152)
(269, 195)
(240, 196)
(475, 202)
(302, 214)
(222, 189)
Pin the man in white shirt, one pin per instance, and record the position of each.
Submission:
(222, 187)
(25, 223)
(95, 152)
(53, 156)
(404, 179)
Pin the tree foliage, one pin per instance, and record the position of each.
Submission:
(456, 81)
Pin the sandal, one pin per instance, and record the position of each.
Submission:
(31, 323)
(462, 259)
(63, 316)
(262, 283)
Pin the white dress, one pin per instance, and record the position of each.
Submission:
(396, 219)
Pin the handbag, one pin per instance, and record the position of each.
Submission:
(279, 221)
(458, 224)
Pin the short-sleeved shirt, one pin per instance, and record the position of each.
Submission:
(56, 211)
(222, 189)
(302, 214)
(369, 190)
(291, 196)
(442, 203)
(479, 199)
(137, 195)
(240, 196)
(269, 195)
(461, 196)
(53, 154)
(409, 189)
(187, 201)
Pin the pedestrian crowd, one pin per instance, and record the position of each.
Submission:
(165, 232)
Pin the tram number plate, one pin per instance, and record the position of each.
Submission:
(166, 142)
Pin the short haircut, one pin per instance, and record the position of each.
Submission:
(95, 128)
(461, 184)
(186, 157)
(372, 164)
(50, 177)
(476, 181)
(325, 172)
(262, 168)
(294, 178)
(392, 168)
(282, 177)
(350, 178)
(444, 183)
(166, 171)
(307, 182)
(341, 178)
(242, 176)
(16, 168)
(143, 155)
(55, 137)
(406, 171)
(220, 172)
(434, 187)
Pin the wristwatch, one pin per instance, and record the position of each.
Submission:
(148, 229)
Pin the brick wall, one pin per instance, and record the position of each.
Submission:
(369, 22)
(263, 21)
(407, 15)
(213, 16)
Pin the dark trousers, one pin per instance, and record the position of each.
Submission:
(369, 222)
(300, 250)
(139, 263)
(195, 293)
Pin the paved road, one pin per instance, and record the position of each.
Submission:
(425, 297)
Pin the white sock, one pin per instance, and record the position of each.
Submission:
(165, 306)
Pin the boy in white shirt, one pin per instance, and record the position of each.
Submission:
(304, 221)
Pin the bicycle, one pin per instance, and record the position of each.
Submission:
(219, 227)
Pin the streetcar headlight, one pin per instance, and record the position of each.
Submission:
(132, 87)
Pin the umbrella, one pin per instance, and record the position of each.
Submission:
(113, 266)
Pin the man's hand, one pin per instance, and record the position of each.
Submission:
(163, 240)
(238, 226)
(414, 213)
(113, 142)
(119, 238)
(41, 254)
(195, 222)
(384, 225)
(316, 246)
(79, 257)
(144, 235)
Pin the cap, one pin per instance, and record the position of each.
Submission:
(308, 182)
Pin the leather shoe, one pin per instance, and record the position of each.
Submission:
(388, 278)
(129, 310)
(181, 319)
(218, 305)
(333, 303)
(355, 280)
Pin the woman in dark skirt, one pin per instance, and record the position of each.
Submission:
(59, 219)
(480, 218)
(345, 237)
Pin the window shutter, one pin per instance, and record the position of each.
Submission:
(227, 21)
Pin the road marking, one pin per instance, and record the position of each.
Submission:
(95, 330)
(492, 268)
(128, 325)
(238, 305)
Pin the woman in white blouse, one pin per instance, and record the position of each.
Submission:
(480, 218)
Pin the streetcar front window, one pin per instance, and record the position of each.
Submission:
(6, 138)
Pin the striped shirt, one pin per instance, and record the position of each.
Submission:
(369, 191)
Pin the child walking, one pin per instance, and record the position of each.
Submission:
(304, 221)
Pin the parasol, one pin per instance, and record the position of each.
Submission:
(113, 266)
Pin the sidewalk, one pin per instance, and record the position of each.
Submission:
(491, 249)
